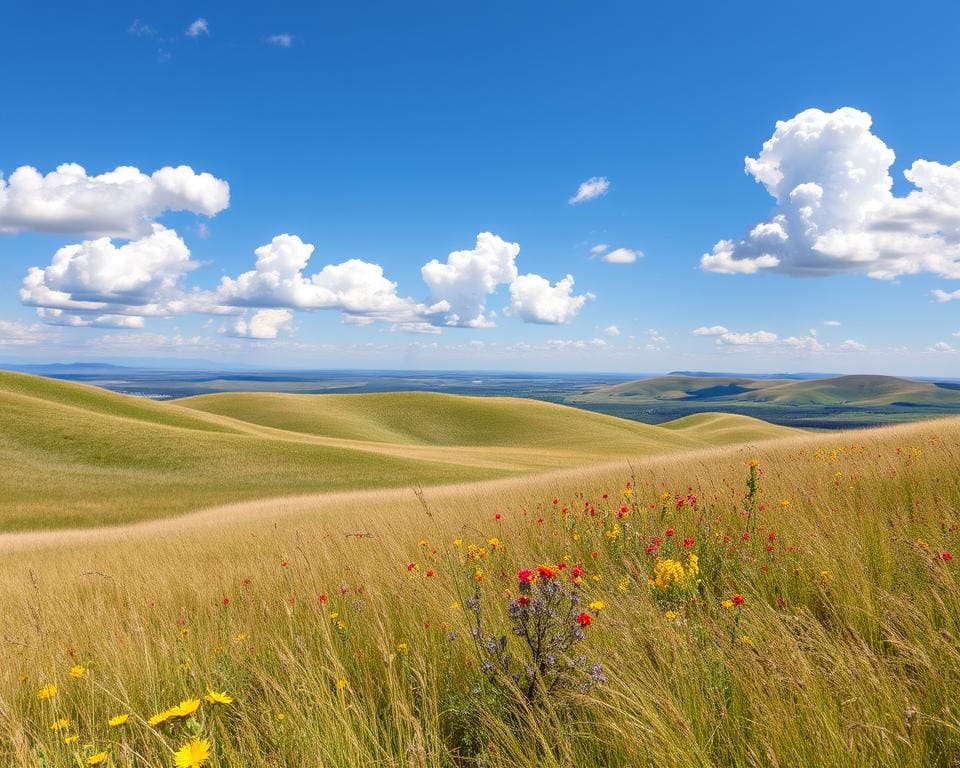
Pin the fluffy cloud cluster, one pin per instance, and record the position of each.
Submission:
(836, 211)
(263, 324)
(99, 283)
(809, 342)
(123, 202)
(535, 300)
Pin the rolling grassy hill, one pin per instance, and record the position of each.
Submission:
(341, 624)
(831, 402)
(75, 455)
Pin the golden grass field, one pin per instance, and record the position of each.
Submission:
(339, 619)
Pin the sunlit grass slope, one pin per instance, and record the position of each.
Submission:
(820, 627)
(75, 455)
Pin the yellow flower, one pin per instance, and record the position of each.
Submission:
(47, 692)
(100, 757)
(728, 604)
(670, 615)
(458, 543)
(494, 544)
(161, 717)
(193, 754)
(118, 720)
(78, 671)
(342, 684)
(745, 640)
(597, 605)
(454, 606)
(185, 708)
(240, 637)
(71, 739)
(213, 697)
(623, 585)
(478, 574)
(281, 717)
(784, 503)
(341, 626)
(754, 463)
(334, 616)
(402, 647)
(614, 533)
(59, 725)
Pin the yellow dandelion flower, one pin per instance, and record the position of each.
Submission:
(98, 758)
(623, 585)
(161, 717)
(281, 717)
(78, 671)
(342, 684)
(341, 626)
(597, 605)
(192, 754)
(334, 616)
(59, 725)
(670, 615)
(117, 720)
(185, 708)
(73, 739)
(240, 637)
(478, 574)
(47, 692)
(727, 604)
(458, 543)
(402, 647)
(745, 640)
(213, 697)
(454, 606)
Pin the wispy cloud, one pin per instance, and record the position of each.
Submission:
(198, 28)
(590, 189)
(282, 40)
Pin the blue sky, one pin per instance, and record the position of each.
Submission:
(389, 135)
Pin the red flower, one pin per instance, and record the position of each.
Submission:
(411, 566)
(525, 576)
(546, 571)
(498, 517)
(576, 572)
(226, 601)
(745, 536)
(556, 501)
(771, 537)
(523, 600)
(623, 512)
(584, 620)
(429, 574)
(737, 599)
(669, 532)
(561, 566)
(687, 543)
(323, 597)
(946, 557)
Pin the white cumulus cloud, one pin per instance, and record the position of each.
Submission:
(611, 330)
(622, 256)
(713, 330)
(943, 296)
(535, 300)
(590, 189)
(743, 339)
(263, 324)
(836, 211)
(123, 202)
(462, 284)
(141, 277)
(941, 347)
(852, 346)
(282, 40)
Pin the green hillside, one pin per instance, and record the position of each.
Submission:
(75, 455)
(858, 391)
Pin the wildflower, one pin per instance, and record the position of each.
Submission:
(455, 606)
(526, 576)
(614, 533)
(597, 605)
(546, 571)
(239, 637)
(745, 640)
(478, 574)
(59, 725)
(160, 718)
(193, 754)
(670, 615)
(494, 544)
(402, 647)
(411, 567)
(945, 557)
(213, 697)
(281, 717)
(117, 720)
(97, 759)
(47, 692)
(687, 543)
(737, 600)
(523, 600)
(726, 604)
(623, 585)
(185, 708)
(71, 739)
(498, 517)
(584, 620)
(77, 671)
(754, 463)
(342, 684)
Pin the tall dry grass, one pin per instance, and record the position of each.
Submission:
(845, 652)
